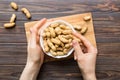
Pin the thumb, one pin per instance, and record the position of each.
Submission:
(33, 38)
(77, 48)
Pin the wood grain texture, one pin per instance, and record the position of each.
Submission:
(106, 22)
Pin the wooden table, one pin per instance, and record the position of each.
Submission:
(13, 44)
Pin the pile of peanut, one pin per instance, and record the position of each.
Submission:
(57, 38)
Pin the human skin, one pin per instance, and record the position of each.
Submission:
(35, 55)
(86, 60)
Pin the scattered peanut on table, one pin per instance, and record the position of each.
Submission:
(77, 27)
(84, 29)
(9, 25)
(12, 22)
(12, 19)
(14, 5)
(87, 18)
(26, 12)
(83, 26)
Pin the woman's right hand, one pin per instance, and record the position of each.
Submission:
(86, 60)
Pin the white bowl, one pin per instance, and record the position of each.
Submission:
(41, 38)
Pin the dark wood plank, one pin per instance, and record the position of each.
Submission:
(46, 73)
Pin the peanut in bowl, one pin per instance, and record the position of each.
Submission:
(56, 38)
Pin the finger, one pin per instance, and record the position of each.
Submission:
(38, 38)
(50, 20)
(85, 41)
(47, 22)
(77, 48)
(40, 23)
(75, 58)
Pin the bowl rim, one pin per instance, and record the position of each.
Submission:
(41, 38)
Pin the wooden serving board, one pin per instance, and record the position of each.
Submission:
(72, 19)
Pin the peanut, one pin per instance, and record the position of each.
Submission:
(52, 32)
(60, 53)
(59, 49)
(54, 25)
(62, 44)
(63, 39)
(77, 27)
(66, 32)
(56, 41)
(53, 53)
(64, 27)
(84, 30)
(70, 40)
(14, 5)
(56, 46)
(67, 36)
(46, 30)
(77, 39)
(87, 18)
(26, 12)
(58, 30)
(12, 19)
(65, 51)
(51, 45)
(44, 35)
(48, 34)
(9, 25)
(46, 46)
(67, 45)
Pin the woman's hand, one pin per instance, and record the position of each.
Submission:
(35, 55)
(86, 60)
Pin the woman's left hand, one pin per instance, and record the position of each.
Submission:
(35, 54)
